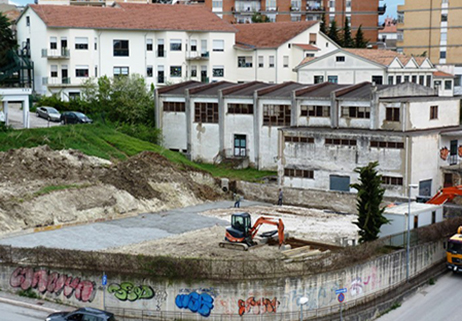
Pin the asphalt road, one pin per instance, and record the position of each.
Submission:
(432, 302)
(16, 313)
(144, 227)
(15, 118)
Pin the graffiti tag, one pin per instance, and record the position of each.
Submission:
(127, 291)
(48, 282)
(261, 306)
(201, 303)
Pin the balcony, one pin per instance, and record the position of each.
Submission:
(194, 55)
(382, 9)
(56, 81)
(62, 53)
(315, 8)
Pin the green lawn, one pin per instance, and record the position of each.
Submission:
(105, 142)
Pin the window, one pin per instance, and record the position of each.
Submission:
(340, 59)
(400, 17)
(318, 79)
(414, 79)
(437, 83)
(96, 43)
(383, 144)
(218, 71)
(392, 114)
(175, 71)
(53, 43)
(120, 71)
(389, 180)
(160, 74)
(332, 79)
(54, 71)
(27, 21)
(356, 112)
(442, 54)
(81, 43)
(271, 61)
(217, 4)
(416, 221)
(96, 71)
(421, 80)
(244, 62)
(390, 80)
(444, 17)
(297, 139)
(276, 115)
(315, 111)
(240, 145)
(175, 45)
(206, 112)
(302, 173)
(406, 78)
(341, 142)
(81, 71)
(444, 36)
(260, 62)
(433, 112)
(193, 45)
(285, 61)
(74, 95)
(160, 48)
(173, 106)
(149, 71)
(339, 183)
(378, 80)
(447, 84)
(148, 44)
(457, 80)
(193, 71)
(313, 37)
(400, 37)
(120, 48)
(309, 54)
(240, 109)
(203, 46)
(218, 45)
(398, 79)
(433, 217)
(429, 81)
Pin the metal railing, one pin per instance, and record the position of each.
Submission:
(56, 53)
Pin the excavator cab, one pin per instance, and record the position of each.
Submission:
(239, 231)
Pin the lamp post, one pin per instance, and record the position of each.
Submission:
(408, 245)
(302, 301)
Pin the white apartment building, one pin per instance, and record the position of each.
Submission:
(166, 44)
(318, 134)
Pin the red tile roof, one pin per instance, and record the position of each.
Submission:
(442, 74)
(270, 34)
(384, 57)
(133, 17)
(307, 47)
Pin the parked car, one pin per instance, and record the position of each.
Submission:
(49, 113)
(74, 117)
(82, 314)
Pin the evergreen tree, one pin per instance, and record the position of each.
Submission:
(323, 26)
(7, 41)
(333, 32)
(369, 198)
(347, 39)
(360, 42)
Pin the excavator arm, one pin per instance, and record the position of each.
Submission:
(446, 194)
(267, 220)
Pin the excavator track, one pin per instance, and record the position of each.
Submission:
(234, 246)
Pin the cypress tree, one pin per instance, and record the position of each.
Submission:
(360, 42)
(333, 32)
(347, 39)
(323, 26)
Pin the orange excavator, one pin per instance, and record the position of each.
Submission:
(241, 234)
(446, 194)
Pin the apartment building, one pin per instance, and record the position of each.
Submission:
(318, 134)
(360, 12)
(432, 28)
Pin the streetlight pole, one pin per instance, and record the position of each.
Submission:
(408, 243)
(302, 301)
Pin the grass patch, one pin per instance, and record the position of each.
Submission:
(52, 188)
(432, 281)
(106, 142)
(29, 293)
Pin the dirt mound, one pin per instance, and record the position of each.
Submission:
(40, 187)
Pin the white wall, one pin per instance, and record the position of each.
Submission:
(448, 113)
(425, 160)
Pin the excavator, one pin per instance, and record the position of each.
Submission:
(241, 234)
(445, 194)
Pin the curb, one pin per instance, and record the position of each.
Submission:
(28, 305)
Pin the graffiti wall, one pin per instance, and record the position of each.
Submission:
(204, 299)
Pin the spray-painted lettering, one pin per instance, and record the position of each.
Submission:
(127, 291)
(261, 306)
(48, 282)
(201, 303)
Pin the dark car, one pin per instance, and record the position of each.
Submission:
(49, 113)
(82, 314)
(74, 117)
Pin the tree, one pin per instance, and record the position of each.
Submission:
(333, 32)
(323, 26)
(7, 41)
(360, 42)
(347, 39)
(369, 198)
(257, 17)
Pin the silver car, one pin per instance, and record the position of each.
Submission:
(49, 113)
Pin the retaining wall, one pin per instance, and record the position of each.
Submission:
(270, 299)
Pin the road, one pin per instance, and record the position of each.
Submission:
(15, 118)
(144, 227)
(431, 302)
(16, 313)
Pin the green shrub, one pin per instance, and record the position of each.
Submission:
(140, 131)
(29, 293)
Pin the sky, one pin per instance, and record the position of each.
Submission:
(391, 5)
